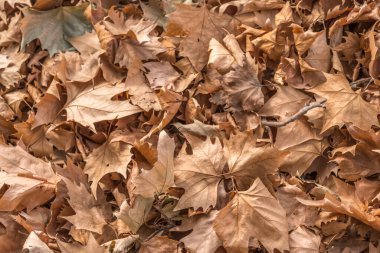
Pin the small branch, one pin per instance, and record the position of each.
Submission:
(364, 81)
(295, 116)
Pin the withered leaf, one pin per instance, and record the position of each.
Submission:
(90, 214)
(199, 174)
(253, 213)
(64, 22)
(200, 25)
(157, 180)
(112, 156)
(344, 105)
(82, 107)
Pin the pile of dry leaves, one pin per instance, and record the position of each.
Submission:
(189, 126)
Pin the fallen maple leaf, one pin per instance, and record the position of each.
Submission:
(200, 25)
(134, 215)
(112, 156)
(252, 213)
(203, 238)
(348, 203)
(344, 105)
(64, 22)
(157, 180)
(161, 244)
(90, 214)
(81, 106)
(28, 181)
(199, 174)
(302, 240)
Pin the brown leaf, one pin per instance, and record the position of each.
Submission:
(91, 246)
(203, 238)
(110, 157)
(29, 181)
(303, 240)
(348, 204)
(200, 25)
(247, 162)
(159, 244)
(242, 90)
(286, 102)
(90, 214)
(87, 104)
(344, 105)
(157, 180)
(199, 174)
(252, 213)
(133, 216)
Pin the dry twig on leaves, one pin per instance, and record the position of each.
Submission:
(296, 116)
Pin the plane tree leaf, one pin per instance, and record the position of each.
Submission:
(54, 27)
(253, 213)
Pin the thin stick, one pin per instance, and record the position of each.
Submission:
(295, 116)
(356, 84)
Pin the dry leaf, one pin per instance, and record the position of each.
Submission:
(252, 213)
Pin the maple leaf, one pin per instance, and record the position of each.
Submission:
(33, 244)
(30, 181)
(87, 104)
(344, 105)
(35, 139)
(199, 174)
(48, 107)
(203, 238)
(365, 159)
(301, 156)
(348, 204)
(134, 215)
(161, 74)
(11, 66)
(319, 56)
(286, 102)
(200, 25)
(170, 102)
(157, 180)
(246, 161)
(91, 246)
(252, 213)
(303, 240)
(160, 244)
(64, 22)
(242, 89)
(112, 156)
(90, 214)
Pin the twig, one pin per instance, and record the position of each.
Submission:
(295, 116)
(356, 84)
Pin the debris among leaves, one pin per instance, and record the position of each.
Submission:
(189, 126)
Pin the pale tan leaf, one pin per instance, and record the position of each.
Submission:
(199, 174)
(33, 244)
(134, 215)
(157, 180)
(203, 238)
(200, 25)
(344, 105)
(286, 102)
(303, 240)
(109, 157)
(253, 213)
(247, 162)
(90, 214)
(159, 244)
(91, 246)
(87, 104)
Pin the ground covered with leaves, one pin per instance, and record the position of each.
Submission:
(189, 126)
